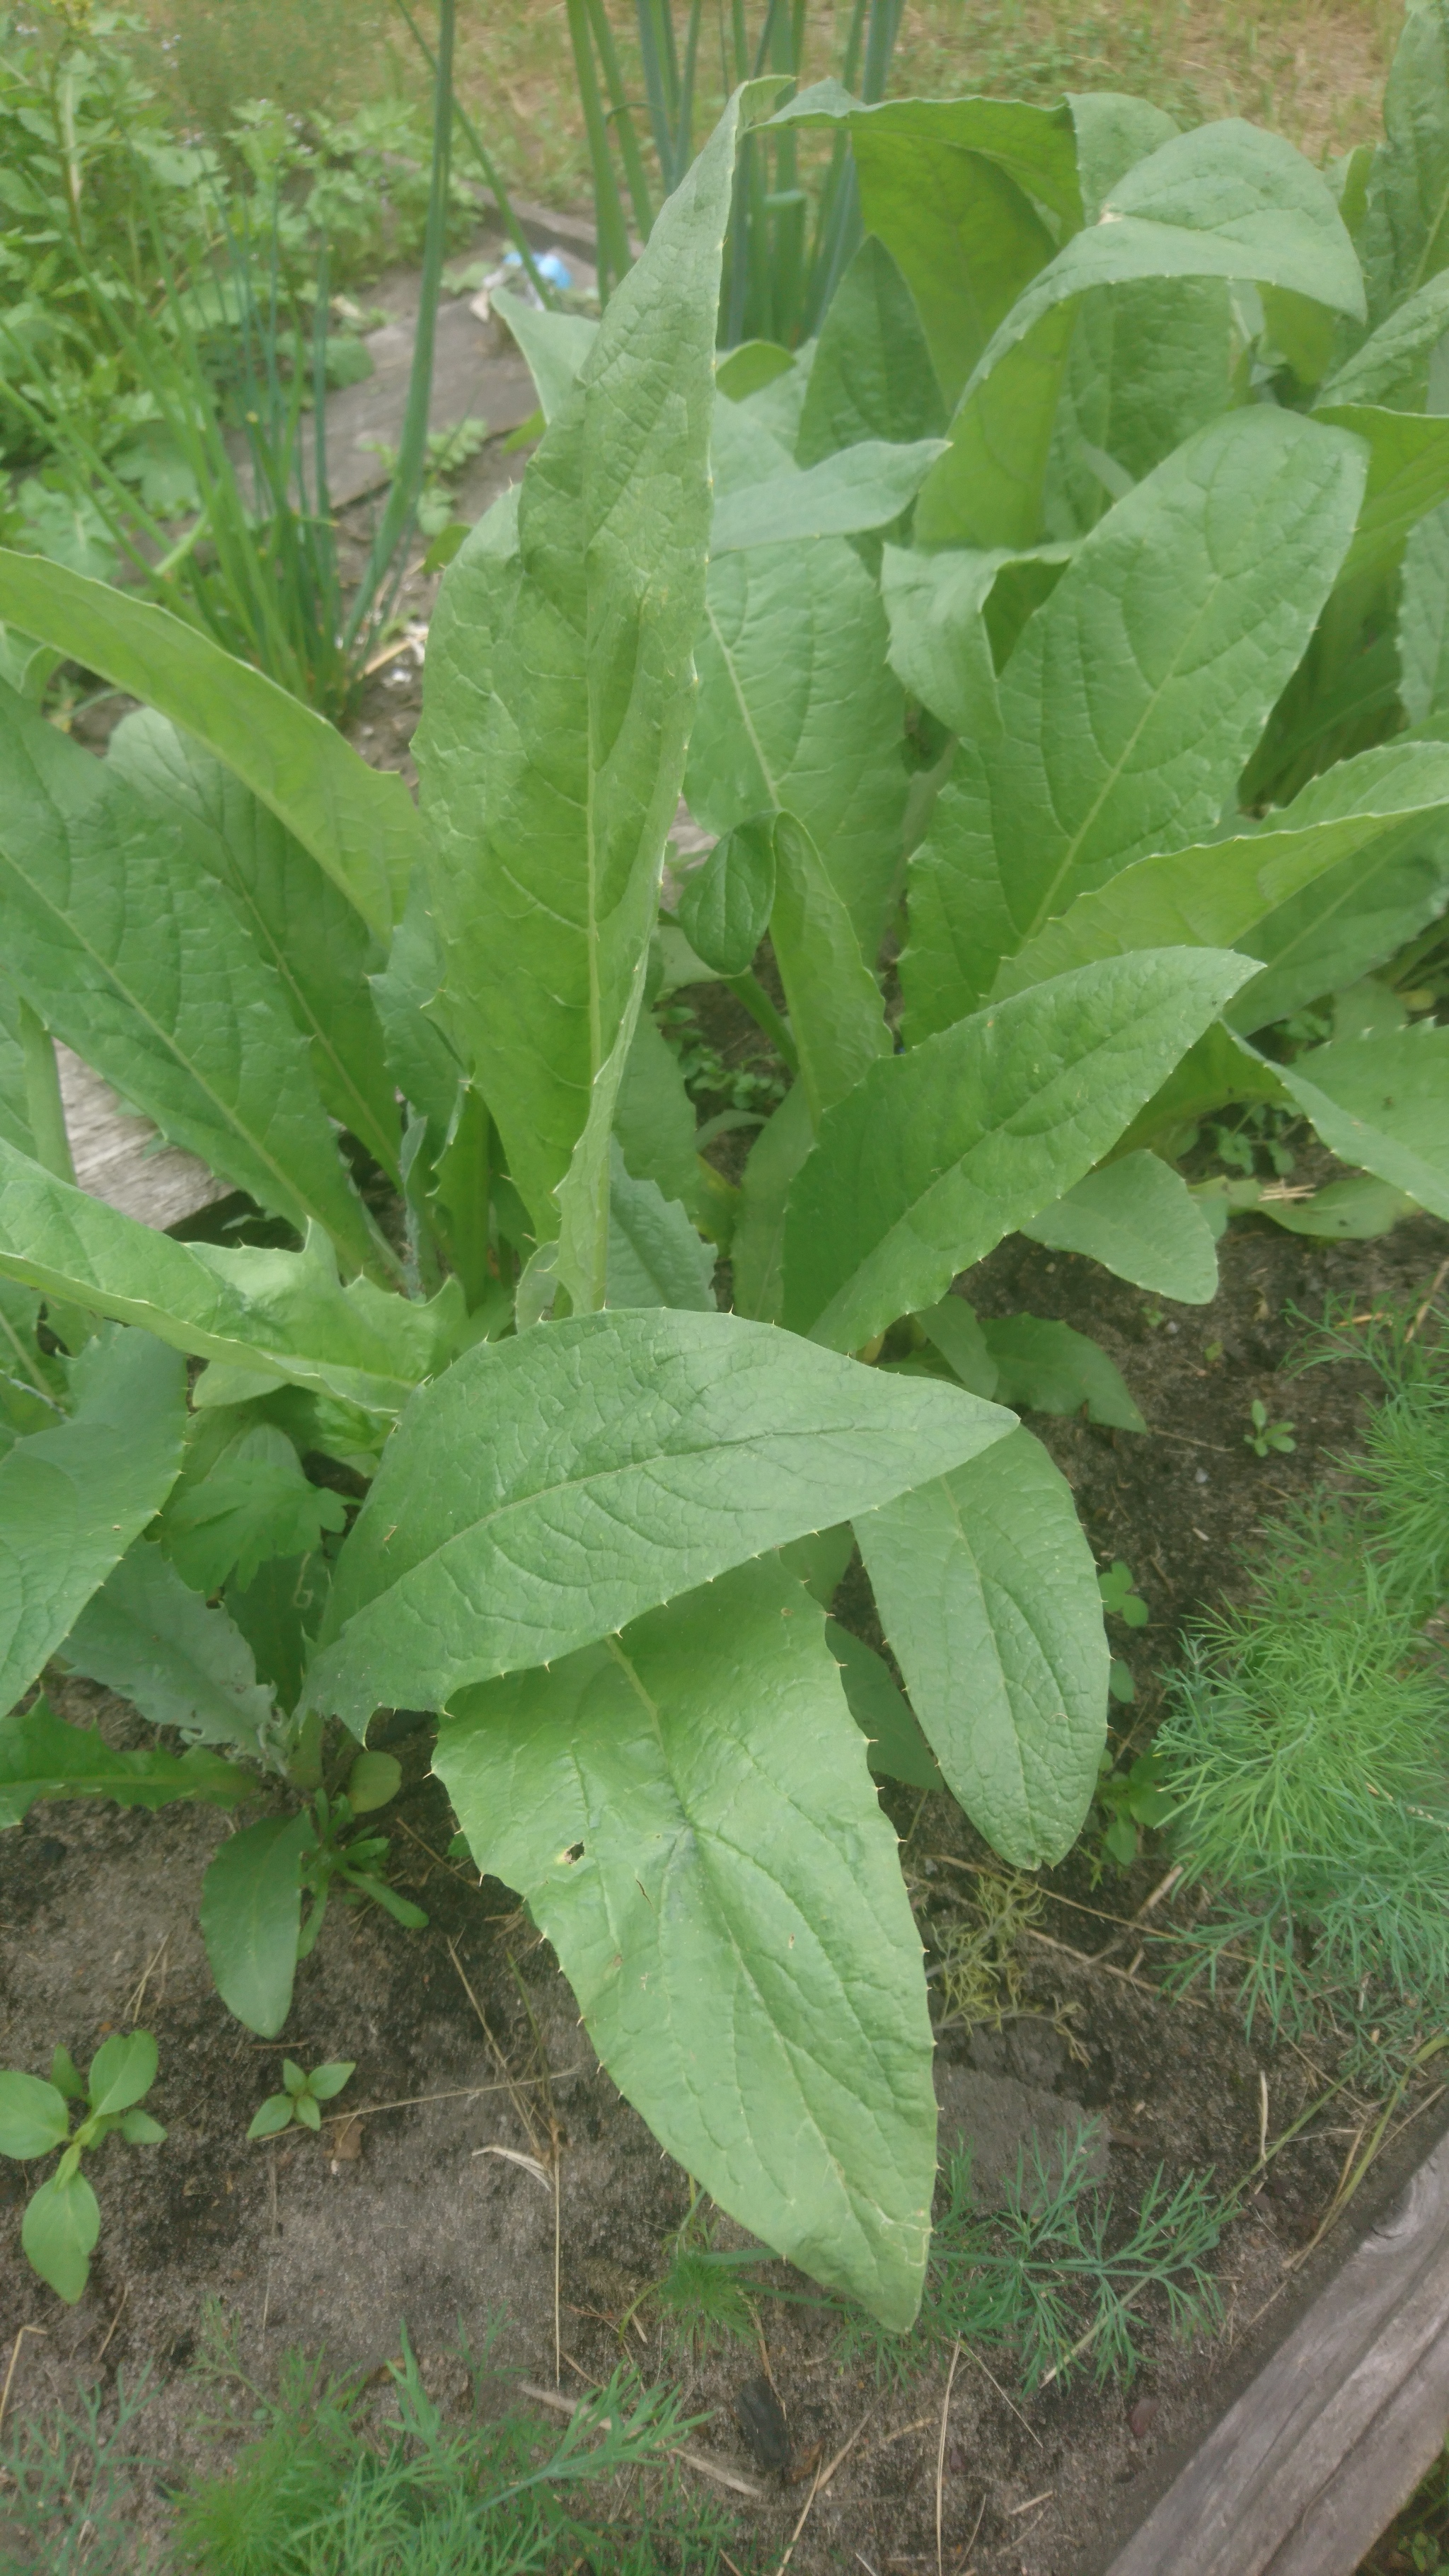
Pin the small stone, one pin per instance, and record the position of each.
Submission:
(1141, 2418)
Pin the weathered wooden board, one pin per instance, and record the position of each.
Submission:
(1313, 2460)
(120, 1158)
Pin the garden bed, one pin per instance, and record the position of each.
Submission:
(405, 2218)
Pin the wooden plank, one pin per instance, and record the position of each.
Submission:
(120, 1158)
(1301, 2475)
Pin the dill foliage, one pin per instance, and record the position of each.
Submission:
(1050, 2277)
(1306, 1748)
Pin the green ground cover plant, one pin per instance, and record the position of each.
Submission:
(1303, 1758)
(62, 2216)
(308, 2473)
(1053, 614)
(1048, 2278)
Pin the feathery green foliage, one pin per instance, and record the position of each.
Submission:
(1306, 1751)
(1055, 2277)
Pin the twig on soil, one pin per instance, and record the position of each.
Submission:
(707, 2468)
(941, 2452)
(111, 2328)
(504, 2069)
(130, 2011)
(1435, 1284)
(21, 2333)
(460, 2093)
(975, 2356)
(445, 1866)
(821, 2481)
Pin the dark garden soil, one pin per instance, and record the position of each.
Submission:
(467, 2039)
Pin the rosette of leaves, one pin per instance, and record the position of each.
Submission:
(62, 2216)
(594, 1522)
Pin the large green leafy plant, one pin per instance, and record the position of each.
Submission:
(601, 1520)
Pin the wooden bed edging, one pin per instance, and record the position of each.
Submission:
(1314, 2458)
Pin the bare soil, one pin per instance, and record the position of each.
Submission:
(405, 2216)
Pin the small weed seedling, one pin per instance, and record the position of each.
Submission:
(1121, 1601)
(1264, 1437)
(62, 2219)
(1128, 1801)
(301, 2096)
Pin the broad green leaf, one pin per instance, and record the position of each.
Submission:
(988, 1594)
(1149, 364)
(819, 1560)
(988, 490)
(1214, 1073)
(1114, 132)
(837, 1017)
(148, 1635)
(654, 1116)
(1226, 200)
(1408, 476)
(42, 1757)
(969, 195)
(547, 1489)
(800, 712)
(581, 1252)
(871, 376)
(750, 365)
(758, 1250)
(1382, 1105)
(724, 904)
(953, 1329)
(557, 707)
(555, 346)
(112, 937)
(122, 2070)
(14, 1104)
(253, 1504)
(941, 645)
(25, 666)
(1344, 844)
(251, 1915)
(1043, 1367)
(310, 935)
(281, 1316)
(419, 1056)
(1406, 221)
(688, 1812)
(655, 1256)
(1168, 638)
(1392, 365)
(865, 486)
(1136, 1217)
(1424, 615)
(140, 2130)
(58, 2232)
(359, 824)
(34, 2117)
(896, 1748)
(73, 1498)
(1352, 916)
(278, 1613)
(939, 1153)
